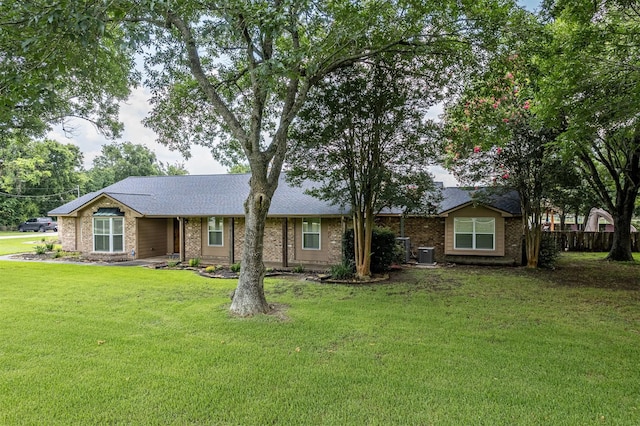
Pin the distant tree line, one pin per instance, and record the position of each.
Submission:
(38, 175)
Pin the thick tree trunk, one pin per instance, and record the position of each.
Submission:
(532, 237)
(621, 246)
(249, 298)
(531, 227)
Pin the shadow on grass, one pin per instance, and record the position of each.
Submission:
(591, 270)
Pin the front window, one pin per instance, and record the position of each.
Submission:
(474, 233)
(108, 234)
(216, 231)
(311, 234)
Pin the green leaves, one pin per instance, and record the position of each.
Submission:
(36, 176)
(65, 65)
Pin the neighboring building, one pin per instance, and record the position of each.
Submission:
(203, 217)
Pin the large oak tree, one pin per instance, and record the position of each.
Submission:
(592, 93)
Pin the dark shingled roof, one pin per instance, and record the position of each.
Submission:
(453, 198)
(201, 195)
(224, 195)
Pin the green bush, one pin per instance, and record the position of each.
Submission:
(40, 249)
(58, 253)
(210, 269)
(342, 271)
(298, 269)
(549, 251)
(235, 267)
(384, 249)
(173, 263)
(195, 262)
(49, 245)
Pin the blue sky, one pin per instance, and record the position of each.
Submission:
(531, 5)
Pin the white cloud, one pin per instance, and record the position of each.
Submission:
(442, 175)
(132, 112)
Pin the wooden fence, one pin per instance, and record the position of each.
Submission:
(590, 241)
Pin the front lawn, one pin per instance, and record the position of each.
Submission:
(84, 344)
(21, 242)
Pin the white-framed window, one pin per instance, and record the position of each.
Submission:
(474, 233)
(216, 231)
(311, 233)
(108, 234)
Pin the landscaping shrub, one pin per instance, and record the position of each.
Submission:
(298, 269)
(235, 267)
(342, 271)
(549, 252)
(384, 249)
(210, 269)
(41, 249)
(49, 245)
(195, 262)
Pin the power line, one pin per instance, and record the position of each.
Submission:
(5, 194)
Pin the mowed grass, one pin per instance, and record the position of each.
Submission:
(82, 344)
(22, 242)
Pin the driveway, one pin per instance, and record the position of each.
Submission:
(30, 234)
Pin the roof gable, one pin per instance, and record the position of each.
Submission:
(456, 198)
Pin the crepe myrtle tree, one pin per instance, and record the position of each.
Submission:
(492, 139)
(363, 140)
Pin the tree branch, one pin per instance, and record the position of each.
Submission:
(195, 66)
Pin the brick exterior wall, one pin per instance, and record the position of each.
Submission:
(335, 231)
(422, 232)
(272, 252)
(84, 241)
(193, 238)
(273, 242)
(67, 233)
(430, 231)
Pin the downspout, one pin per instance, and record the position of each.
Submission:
(232, 241)
(182, 241)
(285, 242)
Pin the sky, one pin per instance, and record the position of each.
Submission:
(135, 109)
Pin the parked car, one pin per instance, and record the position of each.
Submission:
(39, 224)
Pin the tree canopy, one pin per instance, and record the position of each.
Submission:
(120, 160)
(36, 176)
(363, 140)
(59, 59)
(591, 92)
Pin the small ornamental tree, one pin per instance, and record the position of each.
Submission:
(492, 139)
(363, 141)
